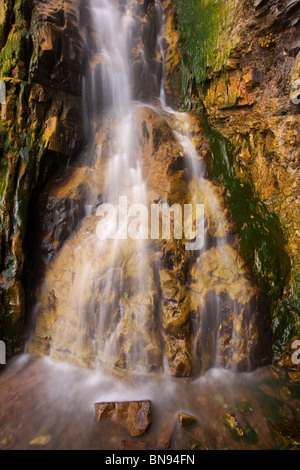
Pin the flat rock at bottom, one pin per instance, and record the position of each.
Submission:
(134, 415)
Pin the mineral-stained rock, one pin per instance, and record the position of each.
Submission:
(290, 356)
(229, 420)
(247, 433)
(287, 434)
(121, 303)
(170, 307)
(254, 104)
(186, 420)
(134, 415)
(41, 56)
(131, 445)
(294, 376)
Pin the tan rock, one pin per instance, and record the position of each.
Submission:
(41, 440)
(135, 416)
(121, 326)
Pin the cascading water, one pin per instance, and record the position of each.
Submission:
(142, 302)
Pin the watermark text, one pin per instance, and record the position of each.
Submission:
(135, 222)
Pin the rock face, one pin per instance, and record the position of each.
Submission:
(198, 311)
(41, 57)
(134, 415)
(195, 311)
(249, 94)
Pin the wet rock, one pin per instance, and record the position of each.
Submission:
(173, 72)
(229, 420)
(287, 434)
(246, 433)
(186, 420)
(41, 61)
(135, 416)
(63, 216)
(60, 52)
(256, 109)
(132, 445)
(183, 289)
(295, 376)
(146, 60)
(166, 430)
(41, 440)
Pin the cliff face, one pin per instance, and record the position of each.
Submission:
(197, 312)
(42, 49)
(248, 87)
(152, 303)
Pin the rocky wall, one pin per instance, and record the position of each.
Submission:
(41, 62)
(249, 95)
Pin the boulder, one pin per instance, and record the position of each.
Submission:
(134, 415)
(186, 420)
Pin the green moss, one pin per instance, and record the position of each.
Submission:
(261, 237)
(6, 7)
(287, 314)
(145, 130)
(13, 51)
(201, 24)
(21, 8)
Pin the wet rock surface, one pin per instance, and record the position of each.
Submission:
(233, 411)
(41, 57)
(287, 434)
(249, 96)
(130, 445)
(181, 294)
(135, 415)
(186, 420)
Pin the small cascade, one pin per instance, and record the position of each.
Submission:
(116, 293)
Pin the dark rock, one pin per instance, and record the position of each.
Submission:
(186, 420)
(287, 434)
(41, 129)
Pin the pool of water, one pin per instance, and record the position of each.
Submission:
(49, 405)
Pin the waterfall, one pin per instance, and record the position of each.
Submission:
(144, 303)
